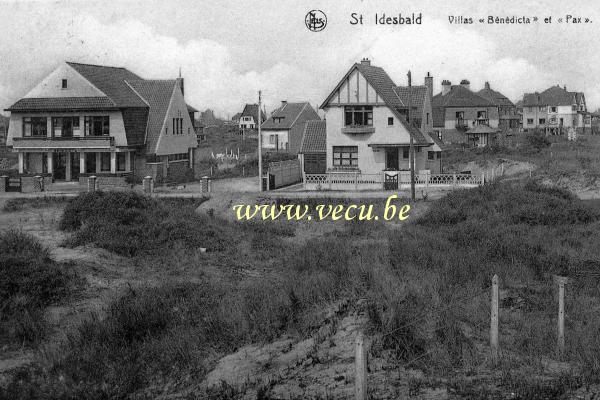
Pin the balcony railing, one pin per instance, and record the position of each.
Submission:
(83, 142)
(358, 129)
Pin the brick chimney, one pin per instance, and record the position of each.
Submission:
(466, 84)
(409, 78)
(487, 86)
(365, 61)
(446, 85)
(283, 103)
(429, 85)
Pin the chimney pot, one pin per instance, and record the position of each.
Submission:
(365, 61)
(487, 85)
(409, 79)
(446, 85)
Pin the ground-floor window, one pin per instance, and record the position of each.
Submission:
(178, 157)
(90, 163)
(431, 155)
(104, 162)
(121, 161)
(345, 156)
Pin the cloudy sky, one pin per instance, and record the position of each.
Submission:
(229, 50)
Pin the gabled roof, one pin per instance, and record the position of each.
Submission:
(111, 81)
(413, 95)
(158, 95)
(494, 97)
(62, 104)
(314, 137)
(251, 110)
(385, 88)
(285, 116)
(236, 117)
(553, 96)
(460, 96)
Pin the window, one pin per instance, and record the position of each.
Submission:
(427, 119)
(35, 126)
(460, 115)
(431, 155)
(358, 115)
(121, 161)
(65, 126)
(552, 109)
(104, 162)
(542, 109)
(177, 126)
(481, 114)
(390, 120)
(345, 156)
(530, 121)
(542, 121)
(90, 163)
(178, 157)
(97, 126)
(405, 152)
(64, 83)
(152, 159)
(272, 139)
(438, 154)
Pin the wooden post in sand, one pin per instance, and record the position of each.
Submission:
(360, 380)
(560, 345)
(494, 321)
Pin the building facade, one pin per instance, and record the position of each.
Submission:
(283, 130)
(508, 117)
(248, 118)
(84, 120)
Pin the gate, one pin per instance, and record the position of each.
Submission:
(390, 182)
(14, 184)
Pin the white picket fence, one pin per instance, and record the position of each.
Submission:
(359, 181)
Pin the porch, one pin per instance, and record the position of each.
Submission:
(389, 180)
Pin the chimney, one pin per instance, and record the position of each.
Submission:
(283, 103)
(565, 88)
(429, 85)
(487, 86)
(466, 84)
(409, 78)
(365, 61)
(446, 84)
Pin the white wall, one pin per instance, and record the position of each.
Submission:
(77, 85)
(282, 138)
(176, 144)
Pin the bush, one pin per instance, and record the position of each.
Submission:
(29, 282)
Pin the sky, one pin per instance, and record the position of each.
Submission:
(228, 50)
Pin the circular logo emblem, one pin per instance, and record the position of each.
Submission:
(315, 20)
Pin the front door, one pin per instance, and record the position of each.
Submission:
(391, 159)
(60, 166)
(74, 166)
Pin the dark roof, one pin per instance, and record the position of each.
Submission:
(236, 117)
(460, 96)
(553, 96)
(314, 137)
(384, 86)
(416, 100)
(191, 109)
(111, 81)
(439, 118)
(251, 110)
(494, 97)
(62, 104)
(287, 115)
(158, 94)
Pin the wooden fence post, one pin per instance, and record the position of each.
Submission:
(494, 321)
(453, 180)
(561, 317)
(360, 381)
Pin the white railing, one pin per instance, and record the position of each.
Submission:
(359, 181)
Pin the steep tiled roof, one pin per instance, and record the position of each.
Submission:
(111, 81)
(62, 104)
(384, 86)
(438, 117)
(314, 137)
(285, 116)
(553, 96)
(416, 98)
(494, 97)
(460, 96)
(251, 110)
(158, 94)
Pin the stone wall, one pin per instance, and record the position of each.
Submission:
(106, 182)
(31, 184)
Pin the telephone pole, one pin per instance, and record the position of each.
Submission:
(412, 147)
(260, 177)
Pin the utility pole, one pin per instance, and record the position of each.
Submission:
(412, 147)
(260, 177)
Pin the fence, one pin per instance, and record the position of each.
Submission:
(359, 181)
(361, 347)
(283, 173)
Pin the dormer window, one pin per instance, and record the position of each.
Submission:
(278, 120)
(64, 83)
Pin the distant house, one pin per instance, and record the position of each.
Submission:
(236, 118)
(457, 109)
(313, 147)
(283, 130)
(249, 116)
(508, 117)
(555, 110)
(369, 127)
(84, 120)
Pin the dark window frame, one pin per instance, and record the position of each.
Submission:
(93, 123)
(342, 154)
(121, 162)
(390, 121)
(358, 116)
(38, 126)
